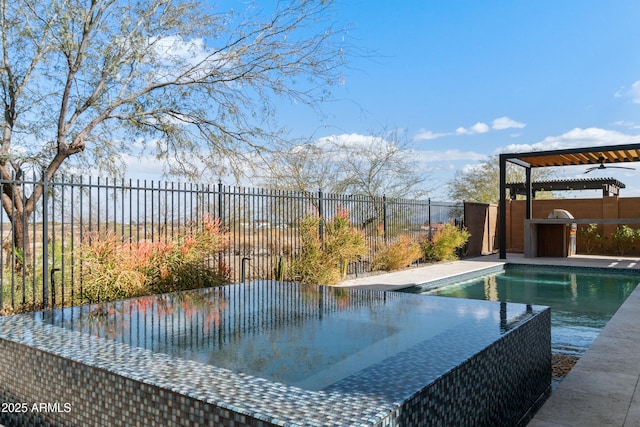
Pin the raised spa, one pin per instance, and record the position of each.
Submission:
(272, 353)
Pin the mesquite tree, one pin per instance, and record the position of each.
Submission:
(86, 81)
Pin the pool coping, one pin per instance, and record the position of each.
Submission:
(428, 273)
(603, 387)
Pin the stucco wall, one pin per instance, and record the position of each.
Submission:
(482, 221)
(611, 207)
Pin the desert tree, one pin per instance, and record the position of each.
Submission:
(84, 82)
(364, 165)
(304, 168)
(380, 165)
(480, 183)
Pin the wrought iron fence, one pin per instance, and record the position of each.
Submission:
(39, 265)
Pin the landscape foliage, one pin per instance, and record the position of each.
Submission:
(445, 243)
(622, 241)
(325, 260)
(398, 254)
(110, 265)
(111, 268)
(593, 239)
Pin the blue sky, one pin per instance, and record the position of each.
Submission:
(463, 80)
(468, 79)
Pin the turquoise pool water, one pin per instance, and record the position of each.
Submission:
(581, 300)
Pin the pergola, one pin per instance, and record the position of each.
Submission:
(609, 186)
(569, 157)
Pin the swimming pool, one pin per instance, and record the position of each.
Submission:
(582, 300)
(271, 353)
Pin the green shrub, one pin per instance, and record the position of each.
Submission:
(592, 238)
(444, 243)
(325, 262)
(401, 253)
(342, 242)
(623, 240)
(310, 264)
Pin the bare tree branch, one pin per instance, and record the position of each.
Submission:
(369, 165)
(81, 79)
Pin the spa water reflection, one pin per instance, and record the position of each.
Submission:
(301, 335)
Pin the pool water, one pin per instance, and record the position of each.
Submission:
(582, 300)
(303, 336)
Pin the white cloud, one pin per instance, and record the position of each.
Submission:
(448, 155)
(425, 156)
(477, 128)
(506, 123)
(575, 138)
(144, 165)
(170, 47)
(633, 92)
(338, 146)
(500, 123)
(627, 124)
(350, 140)
(480, 128)
(424, 135)
(185, 60)
(17, 151)
(468, 168)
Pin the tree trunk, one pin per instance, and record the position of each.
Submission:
(21, 241)
(14, 206)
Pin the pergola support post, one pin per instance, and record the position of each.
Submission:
(502, 208)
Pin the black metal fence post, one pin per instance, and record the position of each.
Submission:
(220, 216)
(321, 215)
(429, 218)
(220, 197)
(384, 218)
(45, 240)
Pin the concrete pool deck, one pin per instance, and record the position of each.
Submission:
(603, 388)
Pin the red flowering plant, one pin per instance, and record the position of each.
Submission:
(111, 268)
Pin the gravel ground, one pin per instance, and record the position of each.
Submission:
(562, 363)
